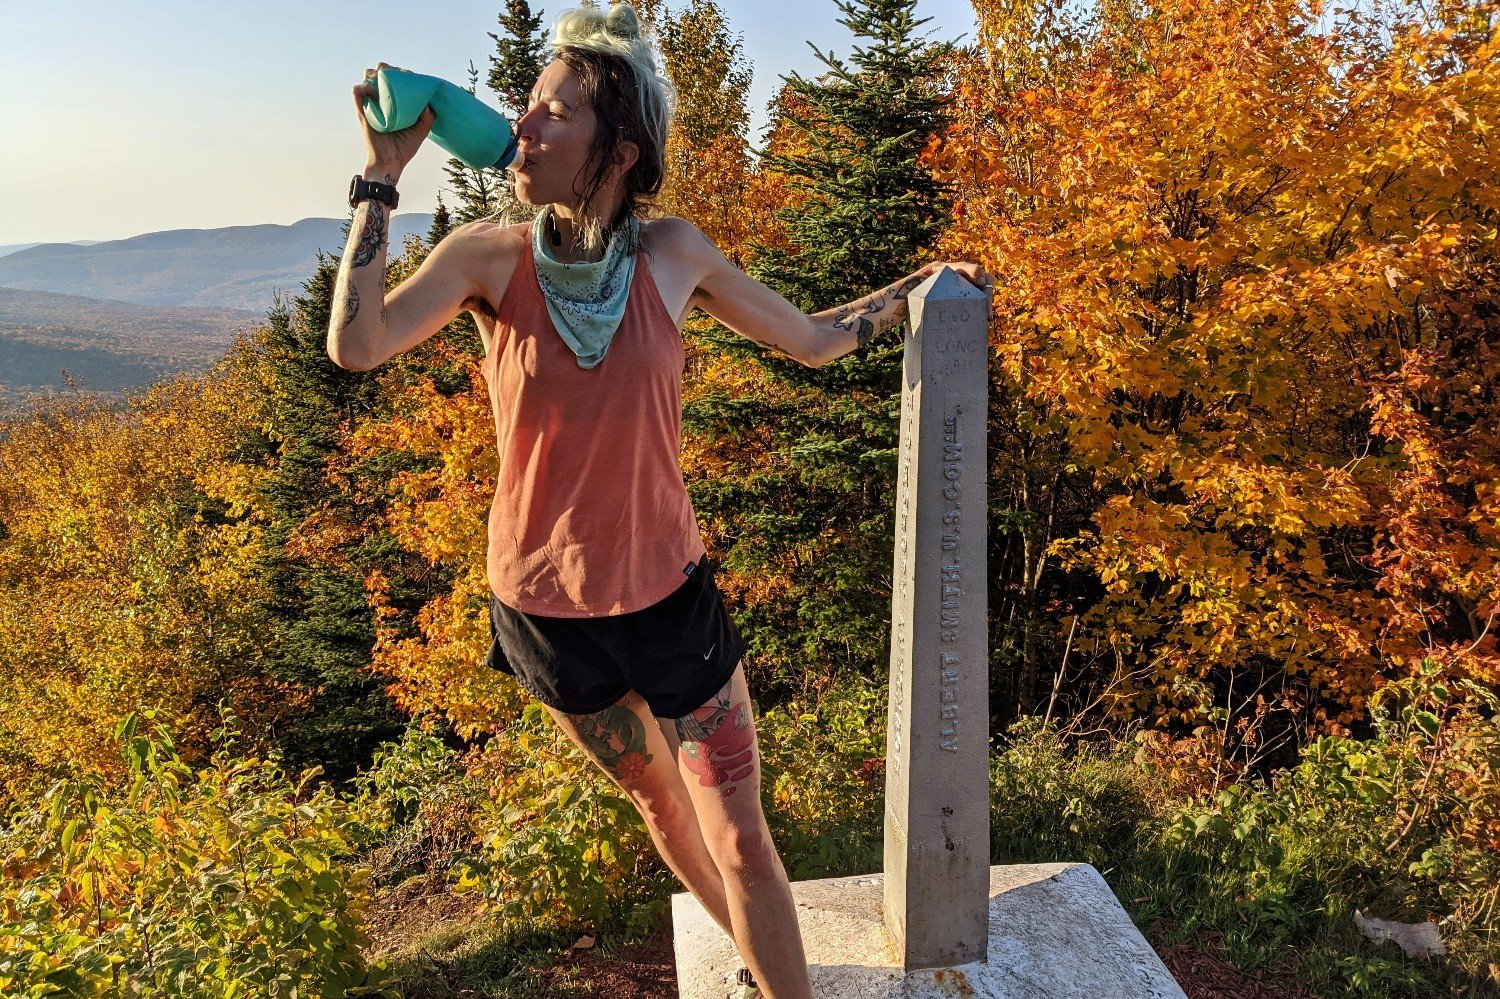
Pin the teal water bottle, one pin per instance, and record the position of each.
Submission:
(462, 124)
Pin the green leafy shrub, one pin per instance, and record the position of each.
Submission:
(823, 769)
(1401, 823)
(416, 807)
(561, 844)
(221, 883)
(1051, 802)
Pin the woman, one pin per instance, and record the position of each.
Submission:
(603, 605)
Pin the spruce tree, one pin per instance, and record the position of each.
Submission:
(442, 223)
(871, 210)
(324, 626)
(819, 516)
(520, 55)
(482, 193)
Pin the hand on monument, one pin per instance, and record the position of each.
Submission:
(973, 273)
(389, 151)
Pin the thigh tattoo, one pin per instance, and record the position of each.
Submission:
(718, 743)
(616, 737)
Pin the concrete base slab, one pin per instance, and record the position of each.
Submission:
(1056, 932)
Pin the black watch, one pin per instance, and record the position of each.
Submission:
(361, 189)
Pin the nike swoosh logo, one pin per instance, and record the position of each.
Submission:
(710, 651)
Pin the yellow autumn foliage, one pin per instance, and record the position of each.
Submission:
(127, 574)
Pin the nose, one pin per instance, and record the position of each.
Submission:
(525, 125)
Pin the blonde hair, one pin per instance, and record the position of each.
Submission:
(621, 78)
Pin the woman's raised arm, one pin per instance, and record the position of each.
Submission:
(365, 328)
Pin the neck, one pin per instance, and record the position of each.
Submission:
(567, 223)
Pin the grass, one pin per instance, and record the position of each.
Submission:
(482, 959)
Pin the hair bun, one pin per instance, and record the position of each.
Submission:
(591, 28)
(622, 22)
(619, 33)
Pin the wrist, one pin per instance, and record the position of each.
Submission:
(385, 173)
(382, 191)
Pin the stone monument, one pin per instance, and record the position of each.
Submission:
(940, 920)
(937, 827)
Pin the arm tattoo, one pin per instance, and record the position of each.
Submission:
(372, 236)
(851, 317)
(351, 305)
(901, 290)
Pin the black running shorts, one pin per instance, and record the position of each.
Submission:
(677, 653)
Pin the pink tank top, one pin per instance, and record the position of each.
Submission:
(591, 516)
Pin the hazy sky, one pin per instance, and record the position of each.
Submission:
(123, 118)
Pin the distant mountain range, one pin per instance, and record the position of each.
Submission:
(239, 267)
(104, 347)
(8, 248)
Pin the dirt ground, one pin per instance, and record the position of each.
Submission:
(646, 969)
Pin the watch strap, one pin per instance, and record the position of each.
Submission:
(372, 190)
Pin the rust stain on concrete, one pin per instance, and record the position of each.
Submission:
(954, 979)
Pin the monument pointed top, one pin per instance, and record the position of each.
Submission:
(946, 284)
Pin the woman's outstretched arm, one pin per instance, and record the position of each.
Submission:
(756, 312)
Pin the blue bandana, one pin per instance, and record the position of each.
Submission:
(586, 300)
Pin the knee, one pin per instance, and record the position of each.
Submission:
(745, 848)
(662, 810)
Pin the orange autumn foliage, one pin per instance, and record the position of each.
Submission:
(1246, 343)
(769, 190)
(436, 510)
(708, 159)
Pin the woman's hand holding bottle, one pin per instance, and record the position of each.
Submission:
(387, 153)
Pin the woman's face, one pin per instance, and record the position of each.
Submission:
(554, 137)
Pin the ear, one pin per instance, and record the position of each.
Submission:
(625, 156)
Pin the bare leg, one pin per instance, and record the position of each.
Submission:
(631, 747)
(720, 763)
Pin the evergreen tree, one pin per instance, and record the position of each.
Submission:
(816, 514)
(871, 210)
(442, 223)
(324, 626)
(482, 193)
(518, 59)
(520, 55)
